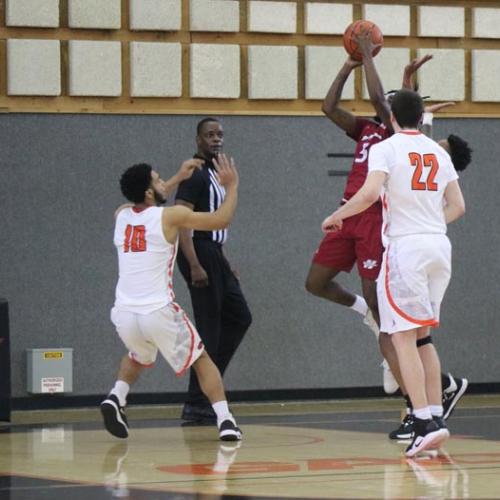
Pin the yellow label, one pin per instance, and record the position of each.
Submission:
(53, 355)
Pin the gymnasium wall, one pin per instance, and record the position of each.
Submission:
(88, 87)
(58, 266)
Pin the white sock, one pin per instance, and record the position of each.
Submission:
(120, 390)
(360, 305)
(423, 413)
(436, 410)
(222, 411)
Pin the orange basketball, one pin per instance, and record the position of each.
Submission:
(356, 28)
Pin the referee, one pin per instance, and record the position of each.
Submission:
(220, 310)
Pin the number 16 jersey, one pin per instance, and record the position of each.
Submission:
(418, 172)
(145, 261)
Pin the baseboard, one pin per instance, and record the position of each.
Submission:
(56, 401)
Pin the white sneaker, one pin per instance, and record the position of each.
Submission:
(390, 383)
(370, 322)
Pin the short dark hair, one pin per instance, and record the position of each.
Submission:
(202, 122)
(407, 107)
(135, 181)
(460, 152)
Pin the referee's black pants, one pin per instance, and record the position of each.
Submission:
(221, 313)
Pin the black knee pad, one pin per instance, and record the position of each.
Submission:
(424, 341)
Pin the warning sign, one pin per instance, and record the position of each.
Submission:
(53, 355)
(52, 384)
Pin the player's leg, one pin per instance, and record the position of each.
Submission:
(211, 384)
(207, 307)
(141, 355)
(335, 254)
(427, 433)
(432, 367)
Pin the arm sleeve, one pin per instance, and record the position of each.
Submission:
(361, 123)
(378, 158)
(191, 189)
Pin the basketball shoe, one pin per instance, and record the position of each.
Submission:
(428, 436)
(114, 417)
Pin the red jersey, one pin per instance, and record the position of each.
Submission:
(366, 134)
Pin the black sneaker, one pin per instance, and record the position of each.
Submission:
(114, 416)
(228, 431)
(199, 413)
(405, 430)
(452, 395)
(428, 436)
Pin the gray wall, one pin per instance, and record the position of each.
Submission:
(58, 191)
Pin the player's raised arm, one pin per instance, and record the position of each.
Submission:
(373, 82)
(342, 118)
(185, 172)
(180, 216)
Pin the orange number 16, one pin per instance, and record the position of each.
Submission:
(418, 182)
(135, 239)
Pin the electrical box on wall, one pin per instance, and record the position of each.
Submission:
(50, 371)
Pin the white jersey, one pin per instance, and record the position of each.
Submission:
(145, 261)
(418, 171)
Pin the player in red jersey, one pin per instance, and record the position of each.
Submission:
(359, 241)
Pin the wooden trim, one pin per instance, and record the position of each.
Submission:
(186, 105)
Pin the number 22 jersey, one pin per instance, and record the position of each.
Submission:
(418, 171)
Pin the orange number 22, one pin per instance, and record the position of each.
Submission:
(420, 162)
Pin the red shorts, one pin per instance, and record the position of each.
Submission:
(360, 240)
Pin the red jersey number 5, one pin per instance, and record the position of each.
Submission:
(135, 239)
(424, 180)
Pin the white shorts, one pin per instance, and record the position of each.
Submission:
(415, 273)
(167, 330)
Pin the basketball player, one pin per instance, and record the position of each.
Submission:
(360, 239)
(421, 195)
(145, 315)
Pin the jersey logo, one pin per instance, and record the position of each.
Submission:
(369, 264)
(135, 239)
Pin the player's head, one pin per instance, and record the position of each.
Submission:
(209, 137)
(141, 184)
(407, 107)
(459, 151)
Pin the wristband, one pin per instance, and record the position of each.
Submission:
(427, 118)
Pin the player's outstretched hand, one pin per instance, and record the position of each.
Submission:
(434, 108)
(188, 167)
(332, 223)
(365, 43)
(353, 63)
(226, 170)
(416, 63)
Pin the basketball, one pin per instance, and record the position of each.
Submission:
(356, 28)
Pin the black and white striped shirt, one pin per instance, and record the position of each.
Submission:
(206, 194)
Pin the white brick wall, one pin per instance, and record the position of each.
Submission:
(443, 78)
(214, 15)
(215, 71)
(486, 23)
(36, 13)
(326, 18)
(390, 65)
(392, 20)
(155, 69)
(322, 65)
(94, 14)
(33, 67)
(159, 15)
(486, 75)
(272, 72)
(272, 17)
(441, 21)
(95, 68)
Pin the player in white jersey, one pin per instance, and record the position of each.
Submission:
(145, 315)
(421, 195)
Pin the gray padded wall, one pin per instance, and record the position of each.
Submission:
(58, 192)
